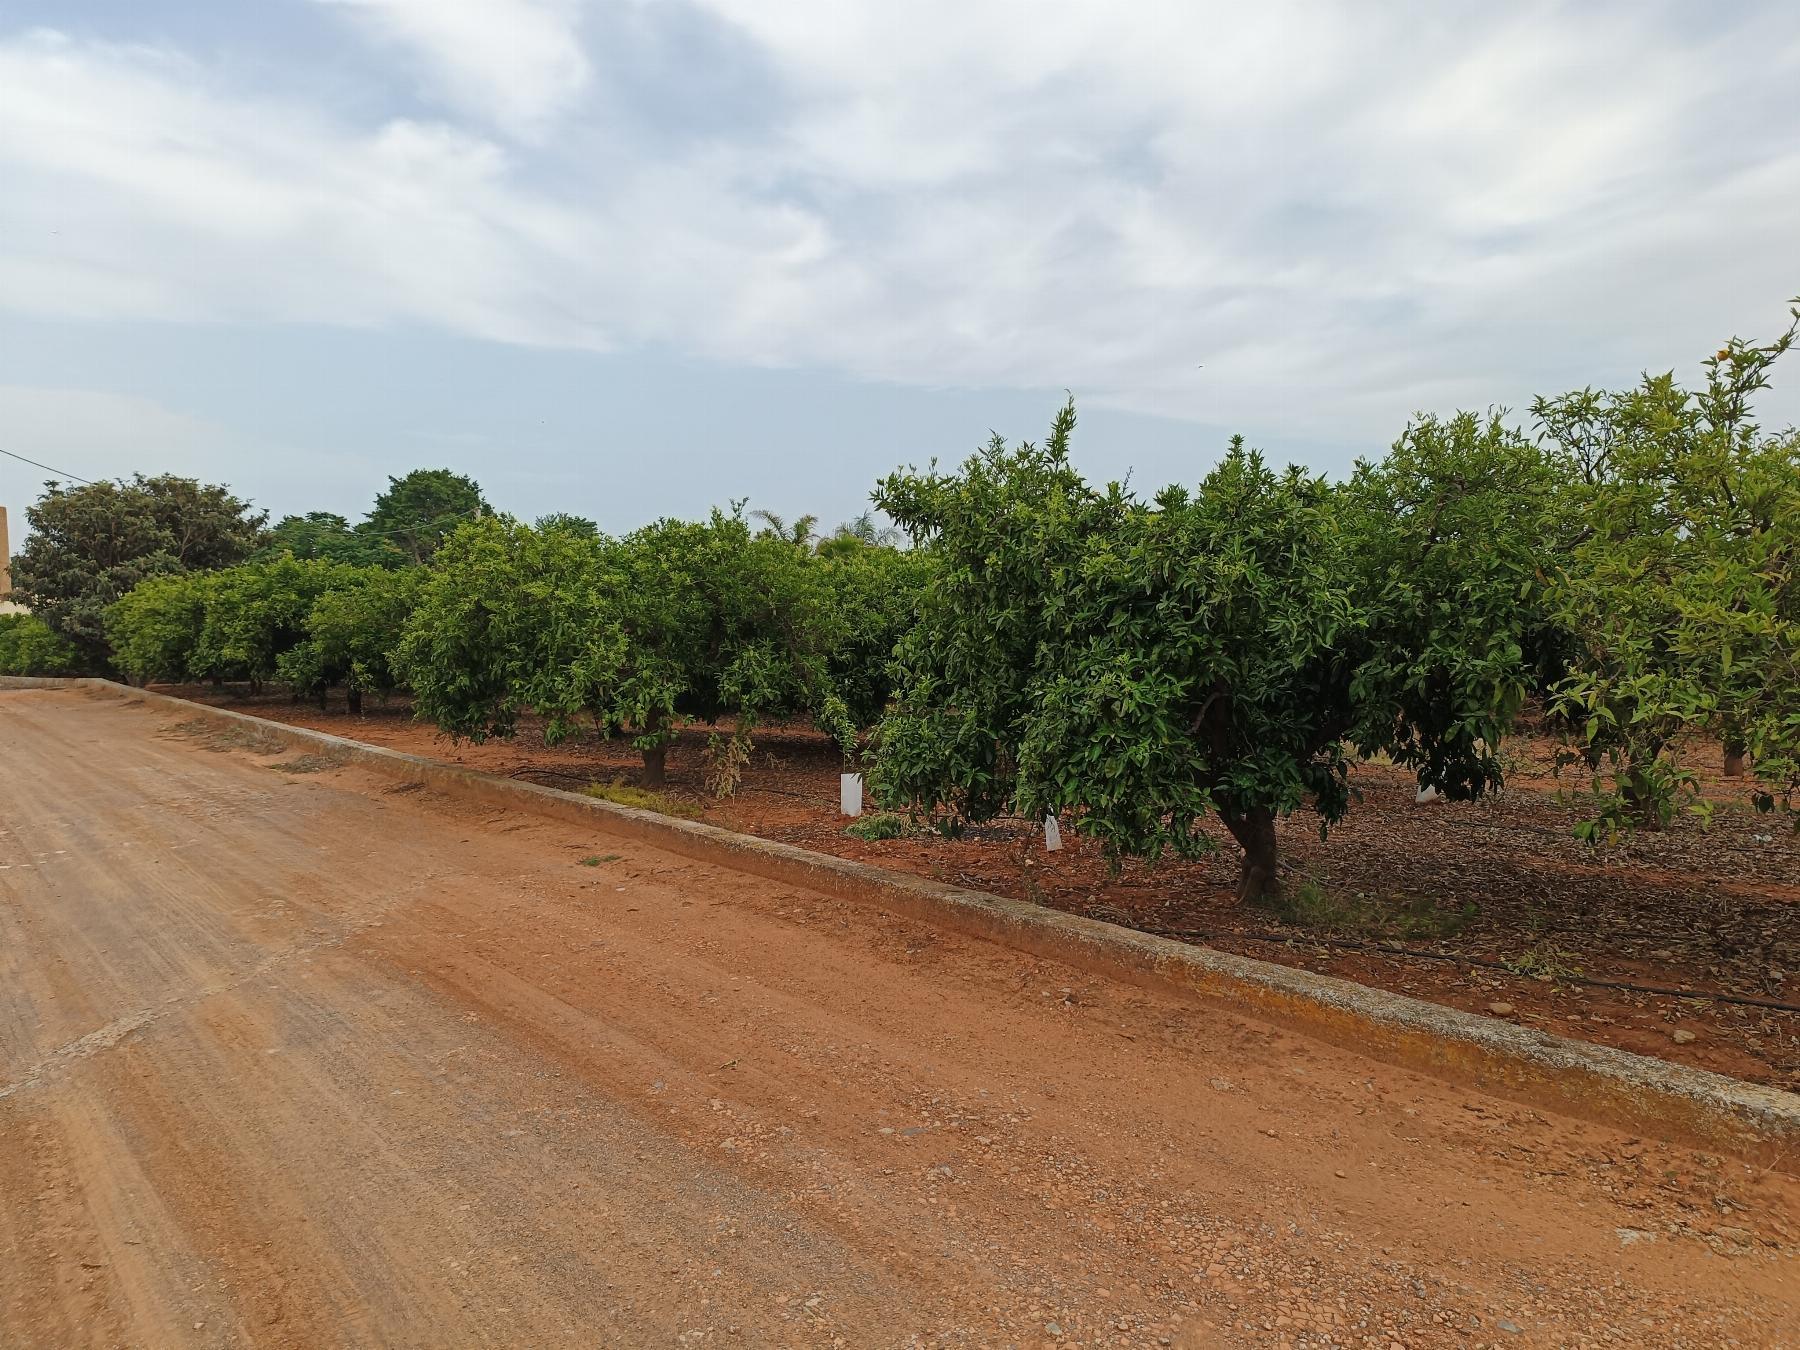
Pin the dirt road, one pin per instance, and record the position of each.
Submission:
(289, 1056)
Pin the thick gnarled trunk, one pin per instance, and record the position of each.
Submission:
(1259, 877)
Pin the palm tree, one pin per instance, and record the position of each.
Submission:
(865, 530)
(801, 534)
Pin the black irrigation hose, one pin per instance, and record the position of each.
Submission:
(528, 771)
(1746, 1000)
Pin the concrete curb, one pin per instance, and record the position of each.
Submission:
(1594, 1082)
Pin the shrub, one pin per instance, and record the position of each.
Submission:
(28, 646)
(154, 627)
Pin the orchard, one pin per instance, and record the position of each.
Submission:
(1020, 643)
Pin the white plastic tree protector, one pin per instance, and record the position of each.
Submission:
(1052, 835)
(1429, 793)
(850, 794)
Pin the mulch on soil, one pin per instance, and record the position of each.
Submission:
(1492, 903)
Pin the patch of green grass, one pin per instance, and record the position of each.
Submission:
(1542, 961)
(882, 825)
(1310, 904)
(623, 794)
(596, 859)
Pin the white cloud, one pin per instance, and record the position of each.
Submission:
(517, 62)
(1344, 214)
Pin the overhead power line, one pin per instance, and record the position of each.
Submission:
(77, 478)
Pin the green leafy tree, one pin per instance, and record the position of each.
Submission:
(1141, 666)
(352, 631)
(1677, 583)
(257, 612)
(719, 623)
(91, 544)
(677, 621)
(873, 594)
(155, 626)
(419, 511)
(562, 520)
(1447, 537)
(28, 646)
(327, 536)
(505, 619)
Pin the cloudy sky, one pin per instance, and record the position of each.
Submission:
(634, 257)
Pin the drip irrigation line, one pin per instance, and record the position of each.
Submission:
(783, 792)
(1747, 1000)
(527, 770)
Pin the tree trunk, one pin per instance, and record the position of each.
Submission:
(653, 766)
(1259, 877)
(1734, 759)
(322, 695)
(353, 701)
(1642, 808)
(656, 755)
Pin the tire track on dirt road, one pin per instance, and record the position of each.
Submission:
(411, 1073)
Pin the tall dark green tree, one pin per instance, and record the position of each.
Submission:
(418, 511)
(90, 544)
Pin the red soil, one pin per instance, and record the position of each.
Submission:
(1504, 881)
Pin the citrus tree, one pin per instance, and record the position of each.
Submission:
(28, 646)
(870, 597)
(233, 624)
(255, 613)
(155, 626)
(506, 621)
(1144, 665)
(1447, 537)
(678, 621)
(1679, 584)
(351, 633)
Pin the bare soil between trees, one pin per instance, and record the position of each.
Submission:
(1470, 905)
(292, 1054)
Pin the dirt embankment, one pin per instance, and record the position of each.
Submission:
(291, 1057)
